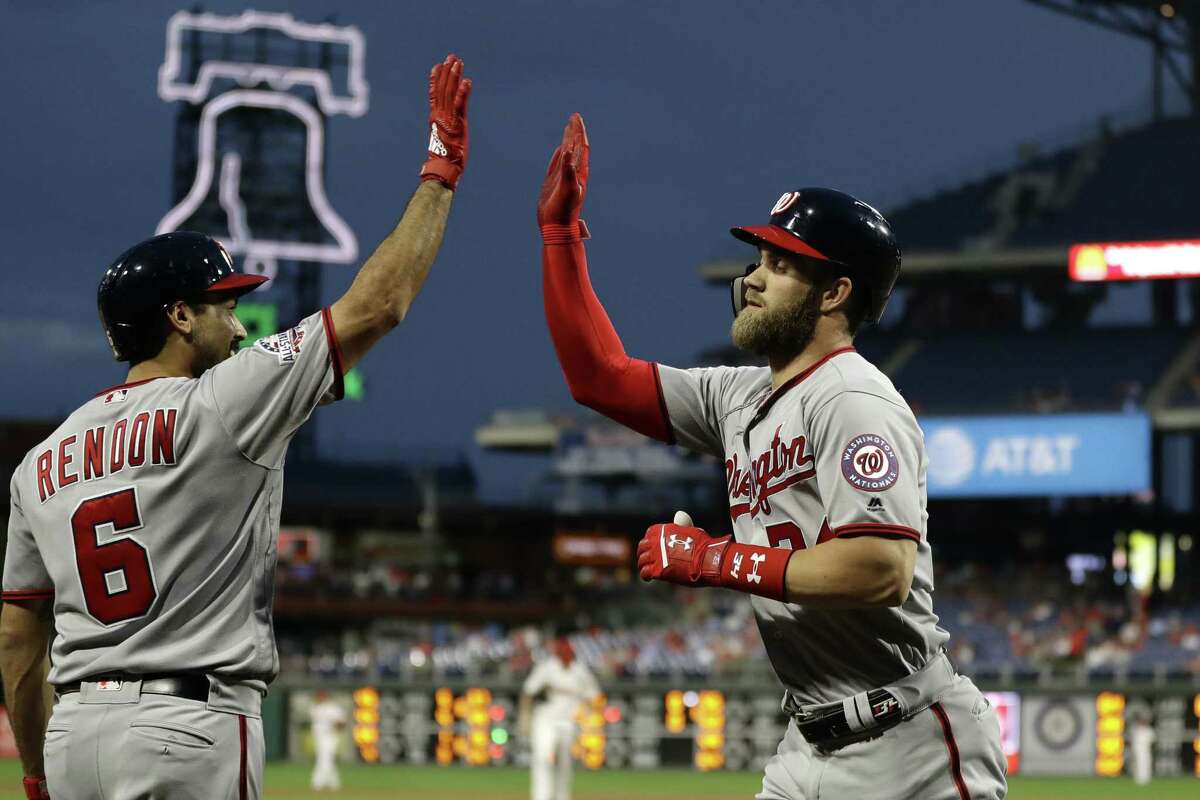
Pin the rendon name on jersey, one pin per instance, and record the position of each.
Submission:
(150, 515)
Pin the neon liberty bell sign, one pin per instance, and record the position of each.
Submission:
(229, 87)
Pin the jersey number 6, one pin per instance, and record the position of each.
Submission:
(116, 579)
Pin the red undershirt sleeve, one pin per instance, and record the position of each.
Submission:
(599, 373)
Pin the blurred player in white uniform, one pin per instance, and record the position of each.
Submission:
(1141, 748)
(142, 533)
(328, 721)
(825, 473)
(551, 699)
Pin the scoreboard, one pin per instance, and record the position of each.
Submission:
(703, 728)
(707, 729)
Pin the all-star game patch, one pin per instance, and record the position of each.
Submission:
(284, 345)
(869, 463)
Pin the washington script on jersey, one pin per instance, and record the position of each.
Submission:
(785, 464)
(108, 449)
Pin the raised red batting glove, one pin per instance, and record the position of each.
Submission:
(690, 557)
(448, 93)
(35, 789)
(565, 186)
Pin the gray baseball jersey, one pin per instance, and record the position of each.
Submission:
(151, 514)
(834, 452)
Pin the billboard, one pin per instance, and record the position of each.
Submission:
(1134, 261)
(1053, 454)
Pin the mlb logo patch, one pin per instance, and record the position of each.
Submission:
(109, 686)
(117, 396)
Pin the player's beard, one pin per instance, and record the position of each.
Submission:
(780, 332)
(211, 344)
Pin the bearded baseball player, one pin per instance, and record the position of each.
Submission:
(142, 533)
(825, 469)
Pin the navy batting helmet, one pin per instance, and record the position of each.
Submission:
(148, 277)
(827, 225)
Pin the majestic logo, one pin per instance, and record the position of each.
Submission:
(781, 466)
(875, 505)
(285, 345)
(784, 202)
(869, 463)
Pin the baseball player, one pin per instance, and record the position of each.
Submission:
(142, 531)
(825, 470)
(328, 721)
(550, 700)
(1141, 748)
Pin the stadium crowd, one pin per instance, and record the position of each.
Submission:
(1011, 622)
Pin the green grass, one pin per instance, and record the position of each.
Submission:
(459, 783)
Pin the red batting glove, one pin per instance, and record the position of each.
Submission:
(35, 789)
(448, 93)
(565, 186)
(690, 557)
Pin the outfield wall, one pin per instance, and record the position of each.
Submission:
(1046, 731)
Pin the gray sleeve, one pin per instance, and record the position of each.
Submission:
(25, 576)
(265, 392)
(696, 401)
(869, 466)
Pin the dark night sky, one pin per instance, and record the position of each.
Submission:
(700, 114)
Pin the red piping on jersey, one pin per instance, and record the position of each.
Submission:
(952, 747)
(27, 594)
(796, 379)
(242, 793)
(738, 510)
(885, 530)
(335, 354)
(131, 385)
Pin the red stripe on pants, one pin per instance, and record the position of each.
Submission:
(955, 764)
(242, 793)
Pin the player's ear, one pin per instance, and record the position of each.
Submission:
(837, 294)
(181, 317)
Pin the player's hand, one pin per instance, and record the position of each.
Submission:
(565, 186)
(682, 554)
(35, 789)
(448, 93)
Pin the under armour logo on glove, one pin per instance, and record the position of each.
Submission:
(435, 143)
(688, 556)
(675, 540)
(679, 554)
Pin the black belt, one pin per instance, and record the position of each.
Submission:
(855, 719)
(191, 687)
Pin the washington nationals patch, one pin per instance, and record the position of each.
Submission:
(869, 463)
